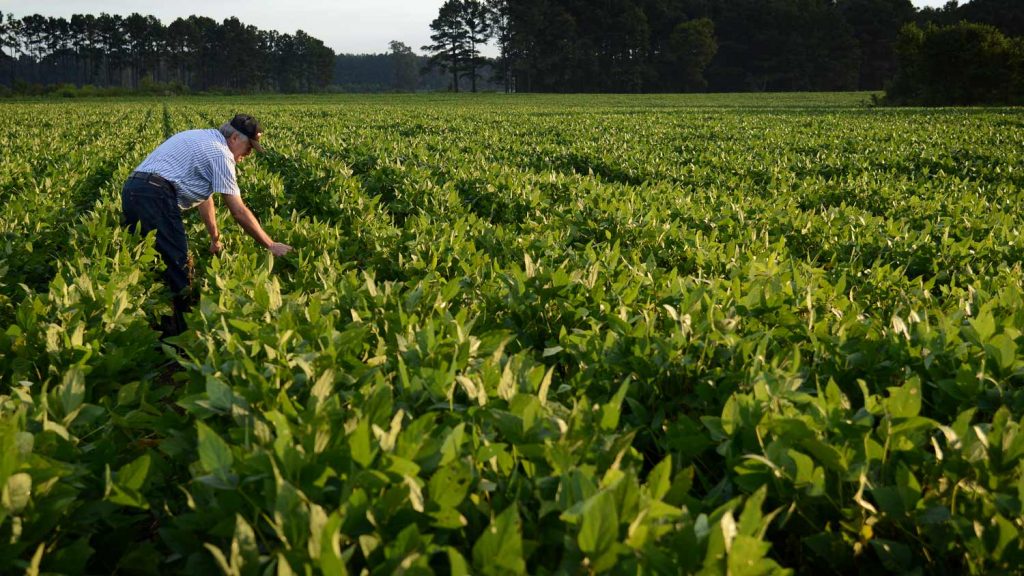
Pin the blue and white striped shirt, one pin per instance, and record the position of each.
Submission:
(198, 162)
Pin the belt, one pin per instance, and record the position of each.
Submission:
(153, 178)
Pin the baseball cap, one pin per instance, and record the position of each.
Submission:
(250, 127)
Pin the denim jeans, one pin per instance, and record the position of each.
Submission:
(148, 205)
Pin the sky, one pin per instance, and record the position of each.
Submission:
(350, 26)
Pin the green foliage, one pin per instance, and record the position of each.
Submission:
(693, 46)
(547, 336)
(111, 55)
(959, 64)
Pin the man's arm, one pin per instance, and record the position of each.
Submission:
(241, 213)
(209, 216)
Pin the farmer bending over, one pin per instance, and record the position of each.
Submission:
(183, 173)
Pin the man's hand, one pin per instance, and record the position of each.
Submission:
(278, 249)
(216, 247)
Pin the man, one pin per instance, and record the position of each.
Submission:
(184, 173)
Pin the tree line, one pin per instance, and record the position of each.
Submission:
(693, 45)
(195, 53)
(400, 69)
(921, 56)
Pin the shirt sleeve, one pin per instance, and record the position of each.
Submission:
(222, 177)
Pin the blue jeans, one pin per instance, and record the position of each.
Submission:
(151, 204)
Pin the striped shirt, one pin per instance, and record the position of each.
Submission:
(198, 162)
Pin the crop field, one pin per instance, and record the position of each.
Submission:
(726, 335)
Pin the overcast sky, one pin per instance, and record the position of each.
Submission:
(352, 26)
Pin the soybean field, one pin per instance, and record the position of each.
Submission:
(725, 335)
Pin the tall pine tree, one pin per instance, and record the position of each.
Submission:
(448, 50)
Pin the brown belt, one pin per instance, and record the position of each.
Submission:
(153, 178)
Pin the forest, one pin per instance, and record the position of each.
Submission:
(570, 46)
(139, 52)
(718, 45)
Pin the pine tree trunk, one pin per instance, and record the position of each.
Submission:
(11, 71)
(508, 77)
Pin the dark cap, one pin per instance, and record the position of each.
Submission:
(248, 126)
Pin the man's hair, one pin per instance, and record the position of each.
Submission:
(226, 130)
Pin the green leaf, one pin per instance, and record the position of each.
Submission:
(825, 454)
(452, 444)
(72, 390)
(129, 493)
(449, 485)
(447, 518)
(16, 493)
(133, 475)
(600, 527)
(1003, 350)
(245, 552)
(552, 351)
(933, 515)
(750, 519)
(499, 550)
(1001, 534)
(219, 393)
(220, 559)
(984, 325)
(283, 567)
(730, 416)
(747, 557)
(889, 501)
(457, 565)
(331, 561)
(399, 466)
(291, 514)
(37, 558)
(610, 412)
(905, 401)
(359, 444)
(908, 486)
(659, 481)
(793, 429)
(244, 325)
(214, 454)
